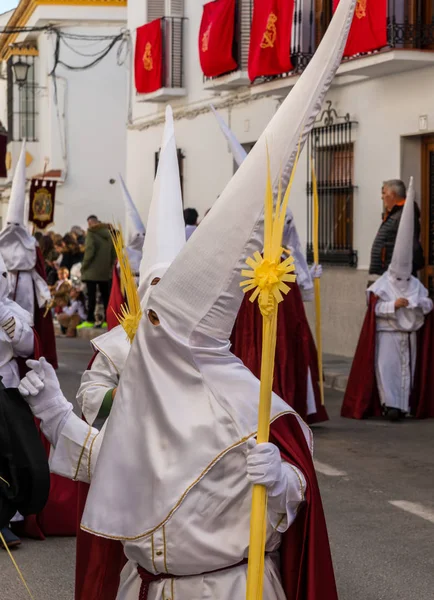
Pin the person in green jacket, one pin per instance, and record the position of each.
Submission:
(97, 266)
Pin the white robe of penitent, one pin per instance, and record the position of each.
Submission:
(396, 353)
(208, 531)
(112, 351)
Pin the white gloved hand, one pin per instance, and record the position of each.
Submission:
(41, 389)
(285, 484)
(264, 465)
(316, 271)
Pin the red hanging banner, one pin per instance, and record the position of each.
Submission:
(216, 37)
(148, 61)
(42, 199)
(270, 39)
(369, 29)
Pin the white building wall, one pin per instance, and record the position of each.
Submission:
(84, 134)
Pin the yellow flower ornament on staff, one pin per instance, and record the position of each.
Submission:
(268, 277)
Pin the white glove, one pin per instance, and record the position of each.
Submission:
(316, 271)
(264, 465)
(285, 483)
(41, 389)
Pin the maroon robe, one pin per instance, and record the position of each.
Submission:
(44, 324)
(361, 398)
(115, 301)
(295, 352)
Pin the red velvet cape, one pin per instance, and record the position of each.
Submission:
(361, 398)
(115, 301)
(44, 325)
(295, 352)
(306, 564)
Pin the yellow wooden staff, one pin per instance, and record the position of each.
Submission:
(268, 278)
(317, 283)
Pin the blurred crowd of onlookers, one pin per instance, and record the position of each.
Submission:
(79, 270)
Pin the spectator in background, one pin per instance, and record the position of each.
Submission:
(74, 314)
(71, 252)
(80, 234)
(190, 217)
(393, 195)
(50, 255)
(97, 266)
(61, 289)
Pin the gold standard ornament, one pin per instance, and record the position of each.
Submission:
(131, 312)
(269, 277)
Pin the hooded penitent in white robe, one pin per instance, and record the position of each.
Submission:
(16, 334)
(396, 328)
(135, 229)
(18, 248)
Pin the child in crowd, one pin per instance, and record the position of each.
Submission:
(74, 314)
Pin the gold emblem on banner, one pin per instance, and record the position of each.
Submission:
(270, 34)
(361, 9)
(148, 63)
(205, 39)
(42, 204)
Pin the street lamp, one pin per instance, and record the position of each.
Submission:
(20, 69)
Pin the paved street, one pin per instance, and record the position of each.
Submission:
(381, 550)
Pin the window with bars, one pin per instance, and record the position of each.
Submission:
(333, 148)
(22, 103)
(181, 157)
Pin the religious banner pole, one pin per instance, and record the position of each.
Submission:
(268, 279)
(317, 282)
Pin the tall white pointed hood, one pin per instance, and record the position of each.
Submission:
(290, 235)
(401, 265)
(17, 200)
(135, 229)
(165, 228)
(237, 150)
(17, 246)
(184, 401)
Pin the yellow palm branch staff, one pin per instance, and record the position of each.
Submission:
(268, 278)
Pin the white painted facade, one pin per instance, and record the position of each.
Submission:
(83, 134)
(386, 94)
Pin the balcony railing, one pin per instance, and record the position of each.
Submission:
(410, 25)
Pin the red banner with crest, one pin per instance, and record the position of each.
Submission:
(148, 60)
(270, 39)
(216, 38)
(369, 28)
(42, 200)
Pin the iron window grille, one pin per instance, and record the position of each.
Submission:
(332, 145)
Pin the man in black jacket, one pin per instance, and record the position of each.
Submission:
(393, 195)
